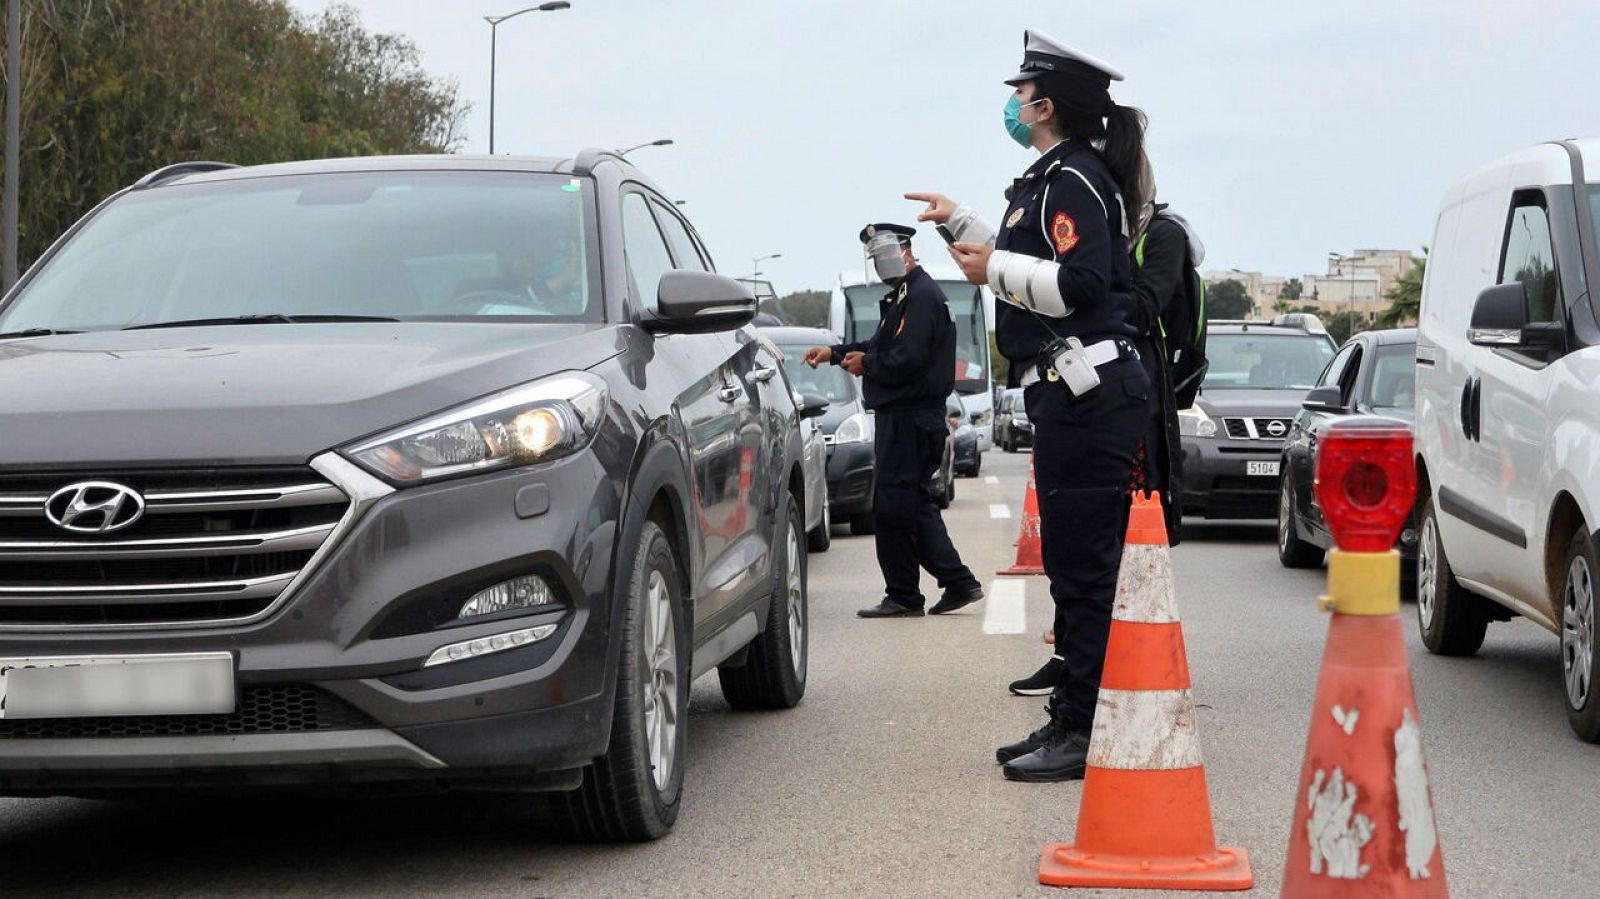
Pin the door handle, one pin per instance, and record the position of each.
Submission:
(1477, 409)
(1466, 409)
(763, 375)
(730, 394)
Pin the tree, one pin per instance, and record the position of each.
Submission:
(1405, 297)
(1291, 289)
(1227, 299)
(113, 89)
(806, 308)
(1282, 305)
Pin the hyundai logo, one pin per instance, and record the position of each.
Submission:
(94, 507)
(1276, 429)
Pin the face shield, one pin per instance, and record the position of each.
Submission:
(887, 257)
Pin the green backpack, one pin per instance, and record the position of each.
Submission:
(1183, 330)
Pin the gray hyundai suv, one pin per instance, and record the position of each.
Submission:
(446, 472)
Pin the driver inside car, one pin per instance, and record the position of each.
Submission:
(539, 280)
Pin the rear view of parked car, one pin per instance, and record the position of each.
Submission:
(1012, 429)
(1508, 413)
(446, 472)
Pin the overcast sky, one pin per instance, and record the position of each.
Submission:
(1283, 130)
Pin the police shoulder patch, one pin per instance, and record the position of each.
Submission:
(1015, 217)
(1063, 232)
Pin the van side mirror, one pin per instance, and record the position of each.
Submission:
(1328, 399)
(695, 302)
(1499, 316)
(812, 405)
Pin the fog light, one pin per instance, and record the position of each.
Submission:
(471, 649)
(526, 592)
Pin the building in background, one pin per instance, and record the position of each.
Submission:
(1356, 283)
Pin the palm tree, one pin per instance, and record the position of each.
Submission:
(1405, 297)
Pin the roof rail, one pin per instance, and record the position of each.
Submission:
(179, 169)
(589, 157)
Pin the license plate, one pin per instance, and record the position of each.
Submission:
(97, 686)
(1261, 469)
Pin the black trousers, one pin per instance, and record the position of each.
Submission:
(1083, 456)
(908, 448)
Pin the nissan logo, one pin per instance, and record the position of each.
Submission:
(94, 507)
(1276, 429)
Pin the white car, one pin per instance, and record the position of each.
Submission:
(1508, 412)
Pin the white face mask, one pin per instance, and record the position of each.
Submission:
(887, 258)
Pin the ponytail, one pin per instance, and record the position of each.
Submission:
(1085, 111)
(1124, 156)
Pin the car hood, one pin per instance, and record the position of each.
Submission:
(258, 394)
(1245, 402)
(830, 420)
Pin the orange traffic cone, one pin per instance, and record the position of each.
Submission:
(1363, 820)
(1145, 818)
(1030, 558)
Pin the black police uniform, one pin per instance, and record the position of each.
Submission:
(910, 370)
(1065, 208)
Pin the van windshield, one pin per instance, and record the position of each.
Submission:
(404, 245)
(1265, 361)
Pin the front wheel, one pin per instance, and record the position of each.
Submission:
(773, 673)
(632, 793)
(821, 537)
(1578, 658)
(1292, 551)
(1453, 620)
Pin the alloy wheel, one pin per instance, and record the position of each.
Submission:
(659, 680)
(1577, 631)
(1285, 516)
(1427, 571)
(794, 598)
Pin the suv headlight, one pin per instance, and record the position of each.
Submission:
(1194, 422)
(855, 429)
(536, 422)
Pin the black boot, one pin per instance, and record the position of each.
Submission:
(957, 599)
(1064, 756)
(1041, 682)
(1032, 741)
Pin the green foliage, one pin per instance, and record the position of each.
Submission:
(1291, 289)
(1344, 324)
(998, 364)
(113, 89)
(1405, 297)
(806, 308)
(1227, 300)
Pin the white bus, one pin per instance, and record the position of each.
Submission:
(853, 315)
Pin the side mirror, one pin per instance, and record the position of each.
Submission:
(694, 302)
(812, 405)
(1325, 399)
(974, 417)
(1499, 316)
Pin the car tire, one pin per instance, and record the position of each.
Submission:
(819, 538)
(1010, 444)
(1292, 551)
(977, 467)
(772, 674)
(622, 798)
(1452, 619)
(1580, 664)
(862, 524)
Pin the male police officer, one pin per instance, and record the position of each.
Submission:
(908, 369)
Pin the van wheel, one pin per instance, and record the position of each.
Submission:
(1578, 657)
(820, 538)
(773, 675)
(1453, 620)
(632, 792)
(1292, 551)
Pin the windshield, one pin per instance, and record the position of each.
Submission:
(1265, 361)
(406, 245)
(966, 308)
(829, 381)
(1394, 378)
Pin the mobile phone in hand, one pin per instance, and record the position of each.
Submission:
(945, 233)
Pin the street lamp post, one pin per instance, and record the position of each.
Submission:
(664, 142)
(755, 264)
(8, 268)
(494, 30)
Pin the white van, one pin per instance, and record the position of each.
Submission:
(1508, 412)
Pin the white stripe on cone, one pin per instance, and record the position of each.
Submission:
(1144, 586)
(1145, 730)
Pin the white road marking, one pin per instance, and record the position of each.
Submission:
(991, 479)
(999, 510)
(1006, 607)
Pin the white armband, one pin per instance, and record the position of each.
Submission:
(1027, 281)
(969, 227)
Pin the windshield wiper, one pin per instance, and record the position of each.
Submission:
(270, 318)
(35, 332)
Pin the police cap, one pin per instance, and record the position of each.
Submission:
(1044, 55)
(905, 233)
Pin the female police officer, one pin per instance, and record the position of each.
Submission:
(1060, 266)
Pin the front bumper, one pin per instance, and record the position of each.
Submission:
(351, 639)
(1215, 482)
(852, 476)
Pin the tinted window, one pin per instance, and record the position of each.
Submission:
(1335, 370)
(405, 245)
(683, 246)
(1394, 378)
(1531, 259)
(829, 381)
(647, 252)
(1263, 360)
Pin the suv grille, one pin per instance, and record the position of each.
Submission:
(211, 545)
(1258, 428)
(262, 710)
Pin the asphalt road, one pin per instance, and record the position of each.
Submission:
(883, 781)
